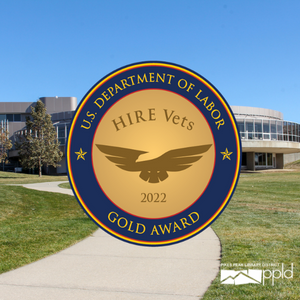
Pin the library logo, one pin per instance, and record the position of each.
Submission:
(256, 276)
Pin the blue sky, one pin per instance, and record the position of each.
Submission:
(249, 50)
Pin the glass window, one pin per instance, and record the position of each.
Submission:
(293, 128)
(273, 136)
(260, 159)
(273, 126)
(241, 125)
(2, 117)
(279, 126)
(285, 127)
(62, 141)
(61, 134)
(249, 125)
(258, 129)
(273, 130)
(249, 129)
(10, 117)
(270, 159)
(244, 159)
(289, 128)
(17, 117)
(258, 126)
(61, 131)
(258, 136)
(266, 126)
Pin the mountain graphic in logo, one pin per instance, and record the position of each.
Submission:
(241, 277)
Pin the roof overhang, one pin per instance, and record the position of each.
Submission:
(271, 146)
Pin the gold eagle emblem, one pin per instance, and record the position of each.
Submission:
(153, 170)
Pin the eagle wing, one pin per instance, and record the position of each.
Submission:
(181, 159)
(124, 158)
(154, 170)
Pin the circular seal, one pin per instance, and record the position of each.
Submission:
(153, 153)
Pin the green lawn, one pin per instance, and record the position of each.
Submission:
(293, 165)
(261, 225)
(35, 224)
(21, 178)
(65, 185)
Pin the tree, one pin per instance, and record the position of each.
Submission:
(39, 145)
(5, 143)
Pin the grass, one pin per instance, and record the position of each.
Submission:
(35, 224)
(293, 165)
(21, 178)
(65, 185)
(261, 225)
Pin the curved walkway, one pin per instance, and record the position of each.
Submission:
(103, 267)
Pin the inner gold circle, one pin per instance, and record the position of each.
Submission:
(152, 122)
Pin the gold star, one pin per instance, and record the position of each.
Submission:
(80, 154)
(226, 154)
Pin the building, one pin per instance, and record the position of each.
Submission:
(267, 140)
(14, 115)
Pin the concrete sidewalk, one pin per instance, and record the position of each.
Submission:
(49, 187)
(103, 267)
